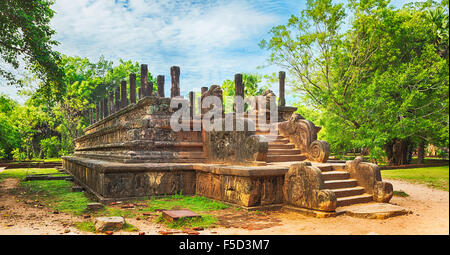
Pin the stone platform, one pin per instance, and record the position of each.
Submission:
(131, 150)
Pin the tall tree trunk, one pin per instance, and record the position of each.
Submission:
(398, 152)
(421, 153)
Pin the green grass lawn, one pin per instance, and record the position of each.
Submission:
(436, 177)
(58, 195)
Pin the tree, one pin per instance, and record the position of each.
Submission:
(384, 79)
(25, 35)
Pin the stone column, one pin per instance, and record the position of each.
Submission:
(175, 76)
(203, 91)
(192, 103)
(281, 78)
(140, 93)
(160, 81)
(117, 99)
(111, 102)
(123, 94)
(132, 88)
(144, 79)
(238, 85)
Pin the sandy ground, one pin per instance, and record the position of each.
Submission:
(430, 216)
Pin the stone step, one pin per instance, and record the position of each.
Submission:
(191, 154)
(335, 175)
(274, 137)
(326, 168)
(346, 192)
(339, 184)
(344, 201)
(281, 146)
(280, 141)
(283, 151)
(285, 158)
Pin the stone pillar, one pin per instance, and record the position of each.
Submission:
(203, 91)
(238, 85)
(123, 94)
(111, 102)
(117, 99)
(192, 103)
(160, 81)
(238, 89)
(105, 107)
(144, 79)
(175, 76)
(140, 93)
(281, 78)
(132, 88)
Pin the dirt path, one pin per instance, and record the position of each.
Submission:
(430, 216)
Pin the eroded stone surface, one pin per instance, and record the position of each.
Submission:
(103, 224)
(304, 187)
(374, 210)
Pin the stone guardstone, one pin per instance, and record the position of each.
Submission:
(373, 210)
(103, 224)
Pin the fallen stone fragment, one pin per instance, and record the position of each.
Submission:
(141, 233)
(94, 206)
(109, 232)
(103, 224)
(173, 215)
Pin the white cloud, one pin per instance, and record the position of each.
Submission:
(208, 40)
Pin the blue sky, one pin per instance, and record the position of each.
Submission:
(209, 40)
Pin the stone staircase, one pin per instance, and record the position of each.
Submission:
(346, 190)
(336, 178)
(280, 149)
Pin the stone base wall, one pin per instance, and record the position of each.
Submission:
(110, 181)
(241, 190)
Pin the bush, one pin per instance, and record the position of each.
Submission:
(51, 147)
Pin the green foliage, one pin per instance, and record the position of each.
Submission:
(204, 221)
(436, 177)
(86, 226)
(51, 147)
(195, 203)
(26, 36)
(383, 80)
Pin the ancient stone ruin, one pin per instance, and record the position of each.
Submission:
(130, 151)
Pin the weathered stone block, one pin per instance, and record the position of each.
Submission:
(304, 187)
(103, 224)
